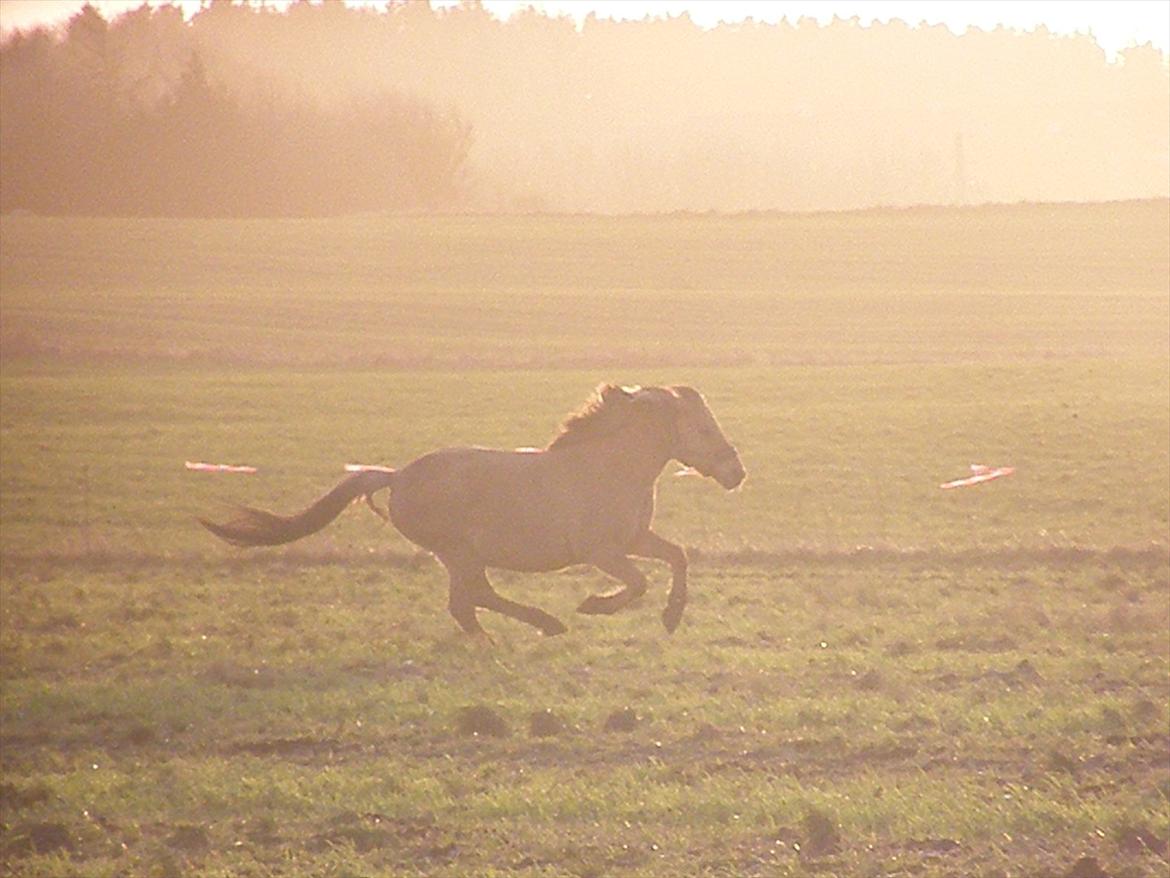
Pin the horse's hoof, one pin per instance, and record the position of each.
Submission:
(671, 617)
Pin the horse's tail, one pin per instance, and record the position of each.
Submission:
(255, 527)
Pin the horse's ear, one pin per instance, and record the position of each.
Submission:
(613, 393)
(682, 391)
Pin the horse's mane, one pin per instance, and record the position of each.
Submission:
(602, 413)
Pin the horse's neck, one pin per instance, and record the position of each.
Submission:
(627, 459)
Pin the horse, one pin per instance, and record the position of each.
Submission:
(587, 498)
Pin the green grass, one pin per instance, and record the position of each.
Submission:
(838, 457)
(269, 711)
(983, 688)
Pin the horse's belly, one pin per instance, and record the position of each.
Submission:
(517, 547)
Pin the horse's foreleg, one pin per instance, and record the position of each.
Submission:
(650, 545)
(622, 569)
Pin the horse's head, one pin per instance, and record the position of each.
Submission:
(696, 439)
(699, 441)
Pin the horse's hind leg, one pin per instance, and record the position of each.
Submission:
(461, 600)
(488, 598)
(470, 589)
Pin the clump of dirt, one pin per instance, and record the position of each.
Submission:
(821, 836)
(1145, 710)
(1141, 840)
(624, 720)
(901, 648)
(545, 724)
(13, 797)
(262, 830)
(140, 734)
(870, 681)
(190, 839)
(1058, 760)
(1087, 867)
(39, 838)
(1111, 582)
(706, 732)
(1025, 672)
(481, 720)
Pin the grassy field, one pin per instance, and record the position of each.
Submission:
(912, 286)
(874, 677)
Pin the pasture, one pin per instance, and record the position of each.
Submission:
(874, 677)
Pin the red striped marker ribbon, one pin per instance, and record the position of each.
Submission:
(219, 467)
(979, 475)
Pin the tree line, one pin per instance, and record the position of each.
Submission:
(126, 118)
(319, 108)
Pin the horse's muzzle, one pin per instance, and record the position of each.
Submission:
(729, 473)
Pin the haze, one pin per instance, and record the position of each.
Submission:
(542, 113)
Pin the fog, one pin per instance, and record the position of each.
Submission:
(325, 109)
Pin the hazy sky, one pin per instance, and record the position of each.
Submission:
(1115, 23)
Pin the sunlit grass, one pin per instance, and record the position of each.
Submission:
(253, 698)
(873, 676)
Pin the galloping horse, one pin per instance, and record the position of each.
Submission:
(587, 498)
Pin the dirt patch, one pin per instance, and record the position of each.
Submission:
(545, 724)
(706, 733)
(1087, 867)
(38, 838)
(140, 735)
(189, 839)
(624, 720)
(481, 721)
(870, 681)
(821, 836)
(1133, 840)
(262, 830)
(13, 797)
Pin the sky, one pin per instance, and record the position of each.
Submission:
(1116, 24)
